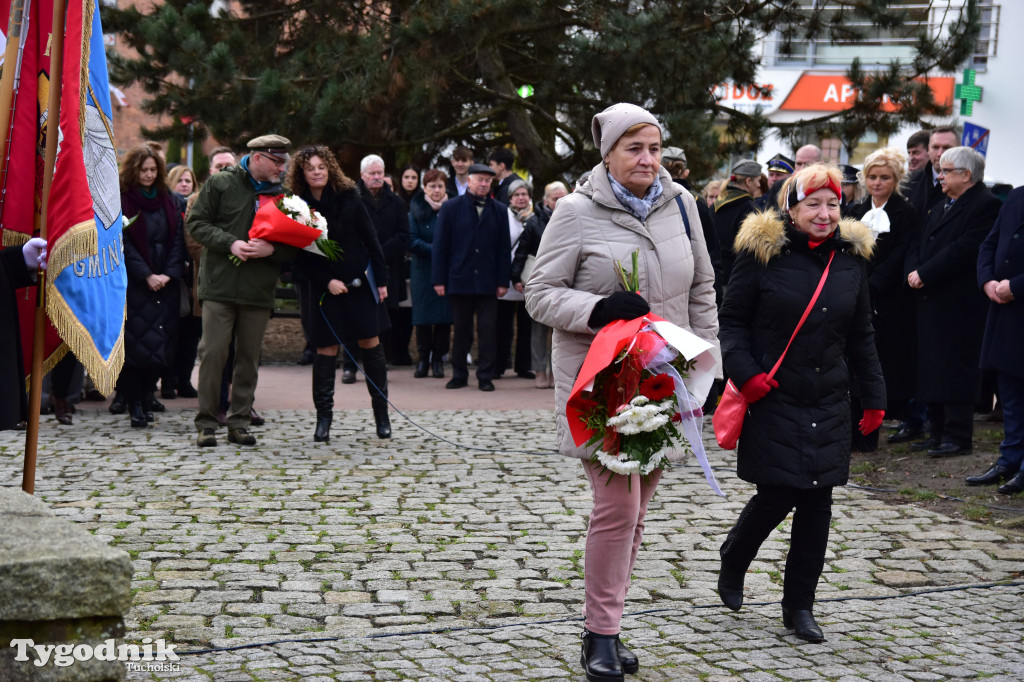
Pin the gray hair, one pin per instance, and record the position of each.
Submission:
(369, 161)
(966, 158)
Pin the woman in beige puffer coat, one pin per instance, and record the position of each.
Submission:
(628, 204)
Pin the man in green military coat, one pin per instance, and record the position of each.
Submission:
(732, 206)
(237, 298)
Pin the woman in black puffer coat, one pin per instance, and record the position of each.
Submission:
(154, 256)
(795, 443)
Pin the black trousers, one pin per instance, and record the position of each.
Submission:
(432, 341)
(509, 312)
(807, 542)
(951, 423)
(464, 307)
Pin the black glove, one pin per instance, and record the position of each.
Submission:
(622, 305)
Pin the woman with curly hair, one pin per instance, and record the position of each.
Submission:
(154, 256)
(345, 303)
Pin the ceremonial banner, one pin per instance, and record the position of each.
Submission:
(87, 279)
(21, 177)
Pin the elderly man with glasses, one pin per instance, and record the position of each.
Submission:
(236, 298)
(942, 270)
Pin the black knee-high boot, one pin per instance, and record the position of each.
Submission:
(376, 367)
(324, 367)
(759, 517)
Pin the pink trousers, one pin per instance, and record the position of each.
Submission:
(613, 540)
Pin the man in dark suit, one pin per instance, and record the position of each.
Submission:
(951, 311)
(1001, 277)
(391, 220)
(471, 265)
(924, 191)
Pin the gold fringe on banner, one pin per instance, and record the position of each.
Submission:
(15, 238)
(80, 241)
(88, 7)
(104, 373)
(48, 363)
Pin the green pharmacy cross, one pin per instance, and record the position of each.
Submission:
(968, 93)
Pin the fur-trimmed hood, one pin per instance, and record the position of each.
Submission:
(763, 234)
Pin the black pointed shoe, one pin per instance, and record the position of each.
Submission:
(803, 624)
(996, 473)
(1014, 485)
(730, 587)
(600, 658)
(630, 663)
(905, 434)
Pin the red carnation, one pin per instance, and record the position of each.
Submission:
(657, 387)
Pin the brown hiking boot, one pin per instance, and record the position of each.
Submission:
(241, 436)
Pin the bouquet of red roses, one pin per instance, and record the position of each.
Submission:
(631, 399)
(287, 219)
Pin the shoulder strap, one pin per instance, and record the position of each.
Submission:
(682, 210)
(803, 318)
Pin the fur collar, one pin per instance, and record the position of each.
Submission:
(763, 234)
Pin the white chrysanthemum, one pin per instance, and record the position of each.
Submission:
(616, 465)
(653, 463)
(296, 208)
(639, 400)
(655, 422)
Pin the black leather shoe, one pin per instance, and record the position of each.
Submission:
(730, 587)
(168, 393)
(630, 663)
(905, 434)
(255, 418)
(117, 405)
(949, 450)
(187, 391)
(438, 369)
(802, 622)
(486, 385)
(307, 357)
(456, 383)
(422, 369)
(348, 376)
(152, 404)
(138, 416)
(926, 444)
(996, 473)
(526, 375)
(1014, 485)
(600, 658)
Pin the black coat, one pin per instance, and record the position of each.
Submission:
(529, 240)
(13, 275)
(1000, 257)
(732, 206)
(472, 254)
(427, 306)
(151, 320)
(349, 224)
(893, 300)
(923, 192)
(707, 224)
(391, 219)
(951, 309)
(799, 435)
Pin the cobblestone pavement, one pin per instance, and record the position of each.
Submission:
(417, 559)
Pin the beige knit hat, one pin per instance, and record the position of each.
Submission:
(610, 124)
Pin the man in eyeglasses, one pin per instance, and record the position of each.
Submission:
(924, 190)
(236, 298)
(942, 269)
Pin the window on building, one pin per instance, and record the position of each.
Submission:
(877, 46)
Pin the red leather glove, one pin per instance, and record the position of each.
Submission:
(871, 420)
(757, 387)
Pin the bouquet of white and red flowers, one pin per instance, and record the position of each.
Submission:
(631, 398)
(287, 219)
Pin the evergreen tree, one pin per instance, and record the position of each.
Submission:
(407, 78)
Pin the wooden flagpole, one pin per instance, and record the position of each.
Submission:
(28, 479)
(14, 28)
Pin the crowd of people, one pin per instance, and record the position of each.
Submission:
(832, 297)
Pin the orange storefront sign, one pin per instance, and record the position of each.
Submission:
(835, 93)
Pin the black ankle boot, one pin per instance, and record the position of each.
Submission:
(118, 405)
(137, 414)
(600, 657)
(730, 586)
(803, 623)
(324, 368)
(376, 367)
(422, 368)
(438, 369)
(630, 663)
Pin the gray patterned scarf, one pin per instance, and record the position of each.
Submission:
(640, 207)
